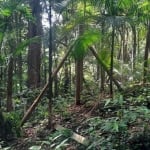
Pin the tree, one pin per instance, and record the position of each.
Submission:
(34, 52)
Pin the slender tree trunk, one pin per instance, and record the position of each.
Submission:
(134, 46)
(79, 72)
(79, 80)
(70, 75)
(66, 79)
(66, 70)
(147, 49)
(50, 67)
(56, 87)
(102, 86)
(20, 59)
(20, 71)
(10, 85)
(112, 62)
(79, 65)
(44, 66)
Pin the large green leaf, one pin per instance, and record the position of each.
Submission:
(104, 56)
(5, 12)
(80, 46)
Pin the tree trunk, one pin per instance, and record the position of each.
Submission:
(34, 52)
(50, 90)
(10, 85)
(112, 62)
(66, 79)
(79, 80)
(134, 47)
(147, 49)
(79, 72)
(102, 86)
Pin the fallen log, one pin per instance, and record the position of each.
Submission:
(80, 139)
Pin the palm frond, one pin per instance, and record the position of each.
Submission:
(80, 46)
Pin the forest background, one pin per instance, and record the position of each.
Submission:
(69, 54)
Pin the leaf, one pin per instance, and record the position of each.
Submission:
(46, 142)
(104, 55)
(107, 102)
(63, 143)
(35, 147)
(116, 127)
(80, 46)
(5, 12)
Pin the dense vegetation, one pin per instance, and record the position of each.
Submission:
(74, 75)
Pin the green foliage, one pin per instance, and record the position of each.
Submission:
(104, 56)
(14, 119)
(56, 141)
(61, 104)
(9, 126)
(115, 131)
(81, 45)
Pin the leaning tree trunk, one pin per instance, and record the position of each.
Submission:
(34, 52)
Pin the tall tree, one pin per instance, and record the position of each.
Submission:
(34, 52)
(50, 96)
(146, 54)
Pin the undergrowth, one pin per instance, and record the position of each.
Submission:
(121, 123)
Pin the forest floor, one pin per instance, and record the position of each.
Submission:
(121, 123)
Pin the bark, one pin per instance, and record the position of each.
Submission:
(79, 80)
(50, 90)
(20, 58)
(112, 62)
(147, 49)
(20, 72)
(66, 80)
(34, 52)
(134, 46)
(102, 87)
(79, 72)
(10, 85)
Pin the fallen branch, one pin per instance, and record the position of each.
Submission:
(80, 139)
(37, 100)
